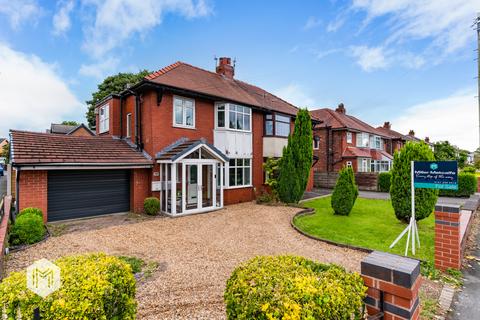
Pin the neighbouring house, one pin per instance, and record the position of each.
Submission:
(79, 130)
(195, 139)
(3, 143)
(396, 141)
(344, 140)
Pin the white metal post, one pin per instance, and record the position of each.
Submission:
(173, 176)
(413, 219)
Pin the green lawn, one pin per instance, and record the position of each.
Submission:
(371, 224)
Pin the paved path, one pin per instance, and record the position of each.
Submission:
(466, 303)
(196, 254)
(3, 185)
(386, 196)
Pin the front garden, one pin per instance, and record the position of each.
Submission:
(371, 224)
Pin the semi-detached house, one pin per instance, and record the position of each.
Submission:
(193, 138)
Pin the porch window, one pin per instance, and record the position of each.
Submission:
(364, 165)
(183, 112)
(381, 165)
(239, 172)
(103, 118)
(277, 125)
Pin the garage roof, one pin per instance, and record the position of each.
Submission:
(33, 148)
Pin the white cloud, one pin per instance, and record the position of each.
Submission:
(370, 58)
(61, 19)
(311, 23)
(445, 22)
(296, 95)
(99, 69)
(33, 95)
(336, 24)
(325, 53)
(118, 20)
(453, 118)
(20, 11)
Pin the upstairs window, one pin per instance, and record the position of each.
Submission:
(349, 137)
(316, 142)
(233, 117)
(183, 112)
(103, 118)
(277, 125)
(129, 119)
(363, 139)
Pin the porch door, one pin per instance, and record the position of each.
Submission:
(200, 186)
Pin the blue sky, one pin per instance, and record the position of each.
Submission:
(404, 61)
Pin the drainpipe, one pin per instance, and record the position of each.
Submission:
(17, 193)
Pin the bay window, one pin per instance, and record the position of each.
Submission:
(239, 172)
(364, 164)
(381, 165)
(183, 112)
(363, 139)
(104, 118)
(277, 125)
(233, 117)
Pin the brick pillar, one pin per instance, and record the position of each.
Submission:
(139, 188)
(448, 253)
(393, 283)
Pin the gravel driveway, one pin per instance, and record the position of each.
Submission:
(196, 254)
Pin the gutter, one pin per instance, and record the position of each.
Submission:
(70, 166)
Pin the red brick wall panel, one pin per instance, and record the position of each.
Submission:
(33, 190)
(139, 188)
(238, 195)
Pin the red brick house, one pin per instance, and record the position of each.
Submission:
(343, 140)
(193, 138)
(396, 141)
(77, 130)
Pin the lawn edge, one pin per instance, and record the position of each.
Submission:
(311, 211)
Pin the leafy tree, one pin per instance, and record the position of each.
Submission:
(400, 190)
(345, 192)
(6, 153)
(296, 160)
(443, 150)
(271, 168)
(112, 84)
(70, 123)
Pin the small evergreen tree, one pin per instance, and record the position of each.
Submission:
(400, 189)
(345, 192)
(296, 160)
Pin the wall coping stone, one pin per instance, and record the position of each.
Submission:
(450, 208)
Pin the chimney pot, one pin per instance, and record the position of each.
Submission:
(411, 133)
(225, 67)
(427, 139)
(341, 109)
(387, 125)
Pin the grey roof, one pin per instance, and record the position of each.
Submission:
(184, 146)
(61, 128)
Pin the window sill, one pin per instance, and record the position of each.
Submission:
(183, 127)
(233, 130)
(271, 136)
(238, 187)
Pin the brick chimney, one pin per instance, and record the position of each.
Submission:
(341, 109)
(411, 133)
(225, 67)
(427, 139)
(387, 125)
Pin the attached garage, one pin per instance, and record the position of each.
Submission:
(76, 194)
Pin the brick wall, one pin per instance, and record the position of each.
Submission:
(393, 284)
(82, 132)
(140, 182)
(448, 242)
(33, 190)
(238, 195)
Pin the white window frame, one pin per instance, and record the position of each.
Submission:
(361, 138)
(128, 126)
(349, 137)
(364, 164)
(316, 143)
(227, 174)
(378, 139)
(184, 114)
(228, 107)
(378, 164)
(104, 118)
(349, 164)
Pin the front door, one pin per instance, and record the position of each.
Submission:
(200, 186)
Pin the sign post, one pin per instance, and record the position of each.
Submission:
(427, 175)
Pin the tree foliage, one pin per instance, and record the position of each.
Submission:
(296, 160)
(271, 168)
(70, 123)
(345, 192)
(444, 151)
(112, 84)
(5, 152)
(400, 190)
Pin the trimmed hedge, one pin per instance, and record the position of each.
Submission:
(94, 286)
(384, 181)
(467, 185)
(469, 169)
(345, 192)
(34, 211)
(151, 206)
(290, 287)
(28, 228)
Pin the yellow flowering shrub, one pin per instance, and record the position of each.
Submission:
(93, 286)
(293, 288)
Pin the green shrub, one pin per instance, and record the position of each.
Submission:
(151, 206)
(136, 264)
(345, 192)
(400, 190)
(35, 211)
(27, 229)
(384, 181)
(289, 287)
(469, 169)
(94, 286)
(467, 185)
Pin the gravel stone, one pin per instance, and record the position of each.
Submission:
(196, 254)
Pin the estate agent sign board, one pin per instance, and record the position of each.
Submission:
(435, 175)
